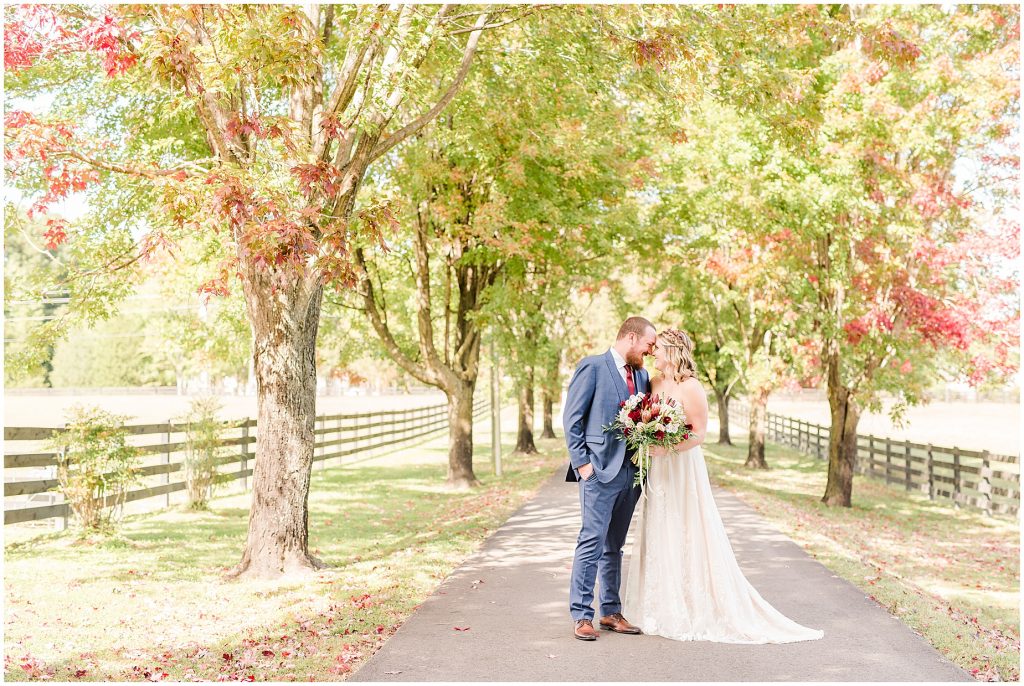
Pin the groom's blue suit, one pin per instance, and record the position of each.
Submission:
(607, 497)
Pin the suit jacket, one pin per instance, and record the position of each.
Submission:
(595, 393)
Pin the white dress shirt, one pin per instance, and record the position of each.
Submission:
(620, 364)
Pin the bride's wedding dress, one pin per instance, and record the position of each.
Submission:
(683, 581)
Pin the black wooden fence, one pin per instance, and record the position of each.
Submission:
(970, 478)
(30, 472)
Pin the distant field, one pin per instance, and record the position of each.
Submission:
(49, 410)
(973, 426)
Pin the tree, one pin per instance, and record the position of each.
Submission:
(724, 249)
(516, 169)
(27, 269)
(256, 121)
(902, 276)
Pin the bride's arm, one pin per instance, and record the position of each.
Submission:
(695, 405)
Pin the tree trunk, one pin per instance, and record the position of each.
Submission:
(284, 332)
(549, 392)
(548, 409)
(842, 447)
(723, 417)
(758, 414)
(524, 439)
(460, 437)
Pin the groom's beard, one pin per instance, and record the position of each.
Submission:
(635, 361)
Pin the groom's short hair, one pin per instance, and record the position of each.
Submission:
(637, 325)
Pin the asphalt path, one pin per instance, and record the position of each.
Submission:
(503, 616)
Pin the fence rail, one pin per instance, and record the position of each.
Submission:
(972, 478)
(31, 471)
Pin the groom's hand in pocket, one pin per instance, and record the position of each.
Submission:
(585, 471)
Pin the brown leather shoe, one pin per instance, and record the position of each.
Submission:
(584, 630)
(617, 623)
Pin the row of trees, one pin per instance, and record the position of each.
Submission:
(787, 183)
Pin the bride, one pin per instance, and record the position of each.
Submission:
(683, 581)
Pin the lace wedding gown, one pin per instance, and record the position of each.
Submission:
(683, 581)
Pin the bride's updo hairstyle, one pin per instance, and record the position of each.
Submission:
(678, 350)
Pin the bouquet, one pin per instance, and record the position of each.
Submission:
(645, 420)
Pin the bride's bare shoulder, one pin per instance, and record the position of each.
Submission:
(691, 382)
(691, 389)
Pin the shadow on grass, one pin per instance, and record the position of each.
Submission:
(390, 531)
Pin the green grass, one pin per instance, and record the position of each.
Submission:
(152, 603)
(951, 575)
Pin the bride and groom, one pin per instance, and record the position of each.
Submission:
(683, 581)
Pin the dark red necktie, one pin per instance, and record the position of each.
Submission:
(630, 384)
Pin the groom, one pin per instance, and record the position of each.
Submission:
(601, 465)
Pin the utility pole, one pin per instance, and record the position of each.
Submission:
(495, 411)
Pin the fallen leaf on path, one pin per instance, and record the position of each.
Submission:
(396, 672)
(461, 628)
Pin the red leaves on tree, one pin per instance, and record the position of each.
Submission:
(933, 197)
(32, 32)
(323, 176)
(332, 126)
(248, 126)
(56, 233)
(30, 141)
(106, 36)
(887, 44)
(657, 51)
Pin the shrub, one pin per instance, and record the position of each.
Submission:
(95, 465)
(202, 450)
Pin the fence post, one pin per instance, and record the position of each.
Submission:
(245, 454)
(985, 483)
(871, 456)
(888, 460)
(906, 459)
(167, 463)
(931, 474)
(319, 441)
(63, 499)
(355, 440)
(956, 477)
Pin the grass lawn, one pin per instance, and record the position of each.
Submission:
(151, 604)
(951, 575)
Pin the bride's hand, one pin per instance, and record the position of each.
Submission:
(658, 451)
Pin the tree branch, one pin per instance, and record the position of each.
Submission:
(486, 27)
(428, 352)
(138, 171)
(390, 344)
(348, 77)
(449, 95)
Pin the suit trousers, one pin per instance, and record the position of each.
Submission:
(606, 510)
